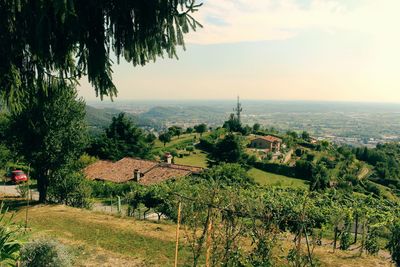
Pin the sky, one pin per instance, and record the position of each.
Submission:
(330, 50)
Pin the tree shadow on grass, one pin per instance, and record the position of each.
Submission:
(16, 203)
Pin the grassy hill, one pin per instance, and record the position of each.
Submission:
(103, 240)
(271, 179)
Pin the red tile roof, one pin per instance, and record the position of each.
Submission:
(123, 170)
(269, 138)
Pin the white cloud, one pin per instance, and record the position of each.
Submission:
(230, 21)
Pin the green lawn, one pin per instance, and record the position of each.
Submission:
(267, 178)
(198, 159)
(175, 140)
(153, 244)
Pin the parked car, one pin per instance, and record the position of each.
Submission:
(18, 176)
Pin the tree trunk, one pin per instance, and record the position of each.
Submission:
(42, 184)
(356, 230)
(335, 238)
(144, 214)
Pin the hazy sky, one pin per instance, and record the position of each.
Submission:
(278, 49)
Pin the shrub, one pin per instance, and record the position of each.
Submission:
(45, 252)
(23, 190)
(70, 189)
(371, 243)
(394, 243)
(103, 189)
(10, 240)
(229, 174)
(345, 240)
(85, 160)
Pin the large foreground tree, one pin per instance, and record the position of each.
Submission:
(63, 40)
(49, 131)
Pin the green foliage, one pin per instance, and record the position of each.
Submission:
(10, 239)
(305, 136)
(165, 138)
(394, 242)
(201, 128)
(228, 174)
(175, 130)
(85, 160)
(256, 127)
(78, 43)
(345, 237)
(230, 149)
(5, 155)
(304, 169)
(233, 124)
(49, 131)
(319, 178)
(121, 139)
(386, 161)
(190, 148)
(371, 243)
(23, 190)
(69, 187)
(45, 252)
(105, 189)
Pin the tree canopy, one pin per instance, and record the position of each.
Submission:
(121, 139)
(61, 41)
(49, 132)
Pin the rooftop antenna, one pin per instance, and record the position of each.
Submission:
(238, 109)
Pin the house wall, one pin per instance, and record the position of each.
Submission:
(264, 144)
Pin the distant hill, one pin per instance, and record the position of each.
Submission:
(99, 118)
(184, 113)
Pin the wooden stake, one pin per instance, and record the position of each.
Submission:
(208, 244)
(27, 200)
(177, 234)
(308, 247)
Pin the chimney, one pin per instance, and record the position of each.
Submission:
(136, 175)
(168, 158)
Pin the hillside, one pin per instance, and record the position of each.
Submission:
(98, 118)
(185, 114)
(99, 239)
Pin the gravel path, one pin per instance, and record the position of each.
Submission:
(11, 190)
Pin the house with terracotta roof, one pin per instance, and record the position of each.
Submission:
(145, 172)
(268, 142)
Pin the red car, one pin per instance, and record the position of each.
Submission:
(18, 176)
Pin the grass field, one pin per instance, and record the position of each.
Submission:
(267, 178)
(144, 243)
(104, 240)
(198, 159)
(176, 141)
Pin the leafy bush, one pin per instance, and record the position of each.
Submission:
(44, 252)
(85, 160)
(70, 189)
(104, 189)
(23, 190)
(229, 174)
(394, 243)
(276, 168)
(371, 243)
(345, 240)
